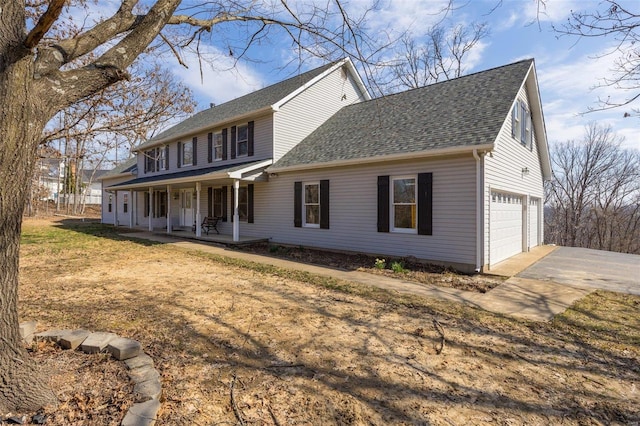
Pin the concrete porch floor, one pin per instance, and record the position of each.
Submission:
(188, 234)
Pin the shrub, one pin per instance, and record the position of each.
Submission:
(398, 267)
(380, 263)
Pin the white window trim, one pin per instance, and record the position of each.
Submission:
(217, 148)
(184, 144)
(305, 204)
(238, 141)
(392, 215)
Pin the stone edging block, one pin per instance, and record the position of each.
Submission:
(147, 385)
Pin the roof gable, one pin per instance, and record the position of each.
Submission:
(244, 105)
(464, 113)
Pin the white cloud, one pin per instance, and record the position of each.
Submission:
(221, 79)
(556, 10)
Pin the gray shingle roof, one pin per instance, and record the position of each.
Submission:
(464, 112)
(243, 105)
(186, 173)
(129, 166)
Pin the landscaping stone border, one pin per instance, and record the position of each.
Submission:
(147, 384)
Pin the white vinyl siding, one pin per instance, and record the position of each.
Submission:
(513, 168)
(304, 113)
(353, 201)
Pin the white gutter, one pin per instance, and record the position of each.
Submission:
(479, 208)
(382, 158)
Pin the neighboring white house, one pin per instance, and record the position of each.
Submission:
(451, 173)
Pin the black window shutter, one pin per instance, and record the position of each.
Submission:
(210, 201)
(224, 144)
(383, 204)
(233, 203)
(179, 156)
(297, 204)
(425, 204)
(324, 204)
(250, 139)
(146, 161)
(224, 204)
(233, 142)
(195, 151)
(250, 203)
(166, 157)
(210, 147)
(514, 114)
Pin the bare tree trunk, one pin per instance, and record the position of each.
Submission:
(21, 123)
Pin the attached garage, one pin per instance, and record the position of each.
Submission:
(505, 226)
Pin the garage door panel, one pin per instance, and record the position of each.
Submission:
(505, 226)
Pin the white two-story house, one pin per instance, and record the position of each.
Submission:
(451, 173)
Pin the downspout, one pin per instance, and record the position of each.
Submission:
(479, 209)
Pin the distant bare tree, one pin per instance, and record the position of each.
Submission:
(594, 199)
(617, 21)
(441, 57)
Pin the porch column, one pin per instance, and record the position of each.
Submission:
(150, 212)
(115, 207)
(236, 216)
(131, 207)
(169, 228)
(198, 220)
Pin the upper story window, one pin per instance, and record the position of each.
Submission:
(403, 204)
(187, 153)
(242, 140)
(217, 146)
(161, 157)
(521, 122)
(150, 160)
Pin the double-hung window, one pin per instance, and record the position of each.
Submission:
(150, 160)
(187, 153)
(125, 205)
(521, 124)
(217, 202)
(217, 146)
(312, 205)
(243, 203)
(242, 140)
(404, 205)
(161, 158)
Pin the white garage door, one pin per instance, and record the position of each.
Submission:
(505, 226)
(534, 204)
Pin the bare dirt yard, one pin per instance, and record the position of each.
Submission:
(243, 343)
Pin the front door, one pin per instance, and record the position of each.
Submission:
(186, 210)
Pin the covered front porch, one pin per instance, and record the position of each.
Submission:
(177, 203)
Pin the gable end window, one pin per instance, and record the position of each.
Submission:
(405, 204)
(311, 204)
(521, 124)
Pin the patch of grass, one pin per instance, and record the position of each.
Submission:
(398, 267)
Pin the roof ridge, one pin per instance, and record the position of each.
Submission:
(438, 83)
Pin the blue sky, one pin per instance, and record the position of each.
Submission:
(568, 69)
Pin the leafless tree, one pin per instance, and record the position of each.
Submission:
(618, 21)
(441, 57)
(41, 75)
(594, 199)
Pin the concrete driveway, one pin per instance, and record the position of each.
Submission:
(586, 268)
